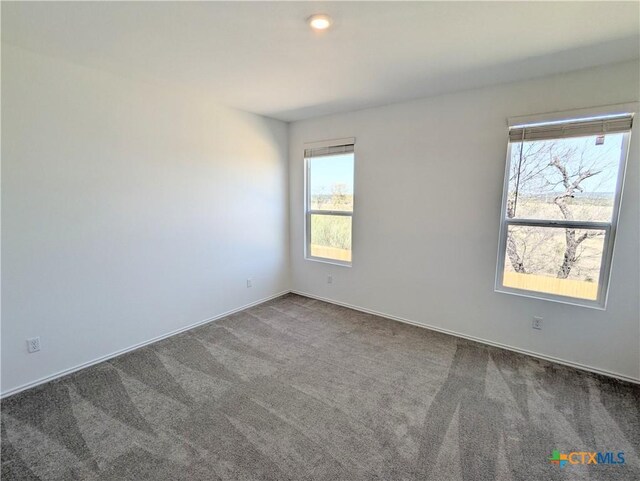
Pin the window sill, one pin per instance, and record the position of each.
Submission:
(552, 298)
(328, 261)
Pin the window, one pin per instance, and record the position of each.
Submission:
(563, 185)
(329, 201)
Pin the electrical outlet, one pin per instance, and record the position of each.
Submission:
(33, 344)
(537, 323)
(329, 279)
(249, 282)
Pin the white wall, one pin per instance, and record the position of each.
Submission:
(428, 189)
(129, 210)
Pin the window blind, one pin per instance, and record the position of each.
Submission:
(574, 128)
(318, 149)
(328, 150)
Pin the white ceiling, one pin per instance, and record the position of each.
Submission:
(262, 57)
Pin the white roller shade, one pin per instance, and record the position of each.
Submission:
(329, 147)
(574, 128)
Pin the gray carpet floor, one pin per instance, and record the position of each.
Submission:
(297, 389)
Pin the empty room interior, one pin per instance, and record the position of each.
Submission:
(320, 241)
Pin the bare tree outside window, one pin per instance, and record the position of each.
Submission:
(571, 179)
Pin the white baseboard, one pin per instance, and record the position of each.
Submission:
(98, 360)
(537, 355)
(545, 357)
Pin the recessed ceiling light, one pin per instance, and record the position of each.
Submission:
(319, 21)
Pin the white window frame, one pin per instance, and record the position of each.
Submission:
(328, 145)
(610, 228)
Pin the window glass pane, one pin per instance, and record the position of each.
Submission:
(564, 179)
(331, 182)
(331, 237)
(554, 260)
